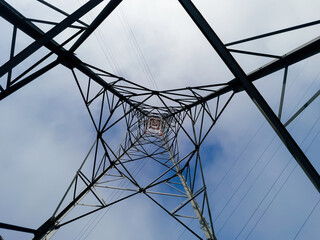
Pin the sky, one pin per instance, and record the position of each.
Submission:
(256, 190)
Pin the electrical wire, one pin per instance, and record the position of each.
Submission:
(229, 170)
(115, 67)
(233, 164)
(269, 190)
(94, 220)
(147, 69)
(274, 197)
(254, 165)
(106, 50)
(253, 182)
(135, 44)
(136, 170)
(245, 178)
(115, 194)
(307, 219)
(266, 209)
(256, 132)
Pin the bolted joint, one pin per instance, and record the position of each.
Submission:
(67, 59)
(196, 147)
(142, 190)
(99, 134)
(45, 228)
(179, 172)
(235, 85)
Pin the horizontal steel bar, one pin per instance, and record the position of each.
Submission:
(27, 80)
(274, 33)
(167, 194)
(64, 57)
(183, 216)
(118, 188)
(300, 53)
(17, 228)
(60, 11)
(43, 38)
(254, 53)
(53, 23)
(88, 205)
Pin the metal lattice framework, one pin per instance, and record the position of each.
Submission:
(156, 122)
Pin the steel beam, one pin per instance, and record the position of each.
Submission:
(6, 92)
(274, 33)
(97, 21)
(284, 83)
(46, 230)
(254, 53)
(302, 52)
(60, 11)
(303, 108)
(5, 12)
(17, 228)
(13, 44)
(51, 225)
(64, 57)
(254, 94)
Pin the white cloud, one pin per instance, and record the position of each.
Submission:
(45, 130)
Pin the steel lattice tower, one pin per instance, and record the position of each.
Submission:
(165, 129)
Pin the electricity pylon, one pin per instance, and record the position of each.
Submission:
(151, 139)
(163, 130)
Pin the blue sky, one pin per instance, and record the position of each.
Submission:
(45, 131)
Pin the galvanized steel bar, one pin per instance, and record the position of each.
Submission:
(208, 231)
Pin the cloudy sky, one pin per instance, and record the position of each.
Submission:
(256, 189)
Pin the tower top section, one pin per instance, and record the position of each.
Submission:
(154, 125)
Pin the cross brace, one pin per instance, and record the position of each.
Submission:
(254, 94)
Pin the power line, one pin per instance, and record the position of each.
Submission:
(141, 58)
(282, 184)
(269, 190)
(307, 219)
(254, 182)
(250, 170)
(233, 164)
(117, 193)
